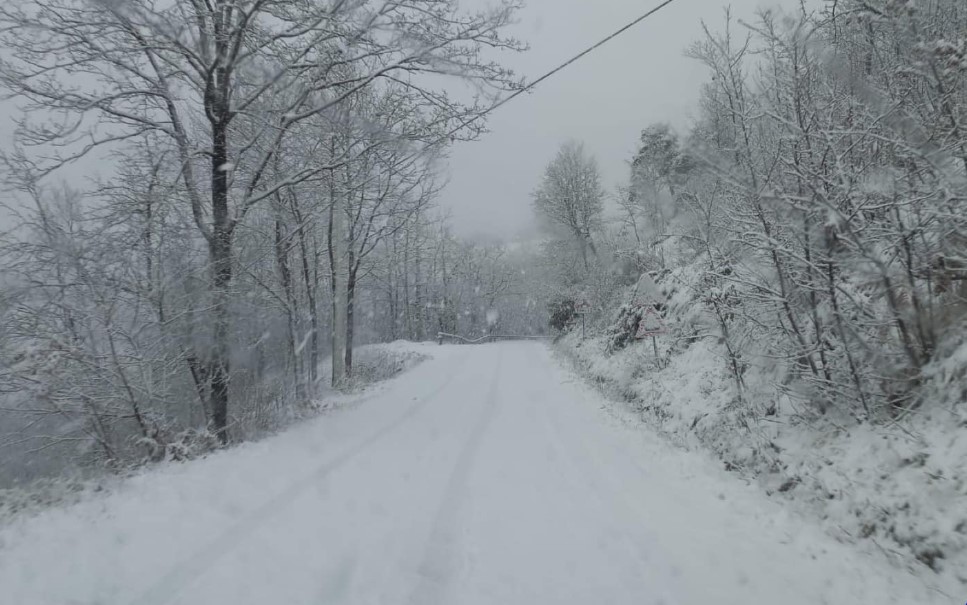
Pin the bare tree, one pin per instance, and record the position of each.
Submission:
(571, 198)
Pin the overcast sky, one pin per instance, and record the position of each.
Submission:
(605, 100)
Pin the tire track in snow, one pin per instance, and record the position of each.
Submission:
(186, 572)
(437, 567)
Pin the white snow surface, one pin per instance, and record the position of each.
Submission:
(486, 475)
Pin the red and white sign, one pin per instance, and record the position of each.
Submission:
(650, 324)
(582, 306)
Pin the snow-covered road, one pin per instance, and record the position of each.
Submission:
(488, 475)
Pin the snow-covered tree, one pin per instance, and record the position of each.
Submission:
(570, 199)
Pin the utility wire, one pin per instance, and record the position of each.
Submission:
(408, 160)
(529, 87)
(549, 74)
(413, 157)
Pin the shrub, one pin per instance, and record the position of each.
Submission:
(562, 314)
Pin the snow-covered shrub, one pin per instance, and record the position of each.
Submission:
(184, 445)
(562, 313)
(623, 329)
(375, 363)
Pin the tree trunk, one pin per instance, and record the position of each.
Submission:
(220, 252)
(350, 316)
(583, 243)
(420, 307)
(337, 263)
(201, 377)
(285, 278)
(311, 289)
(407, 309)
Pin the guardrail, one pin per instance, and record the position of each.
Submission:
(442, 336)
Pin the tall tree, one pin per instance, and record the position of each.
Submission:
(571, 199)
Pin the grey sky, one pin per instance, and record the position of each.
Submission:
(605, 100)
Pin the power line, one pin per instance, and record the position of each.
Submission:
(550, 74)
(407, 160)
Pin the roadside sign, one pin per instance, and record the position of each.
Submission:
(582, 307)
(650, 324)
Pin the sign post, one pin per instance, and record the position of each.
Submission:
(582, 307)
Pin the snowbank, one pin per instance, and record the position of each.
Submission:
(899, 487)
(378, 362)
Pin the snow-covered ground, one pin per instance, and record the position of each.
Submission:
(898, 488)
(487, 475)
